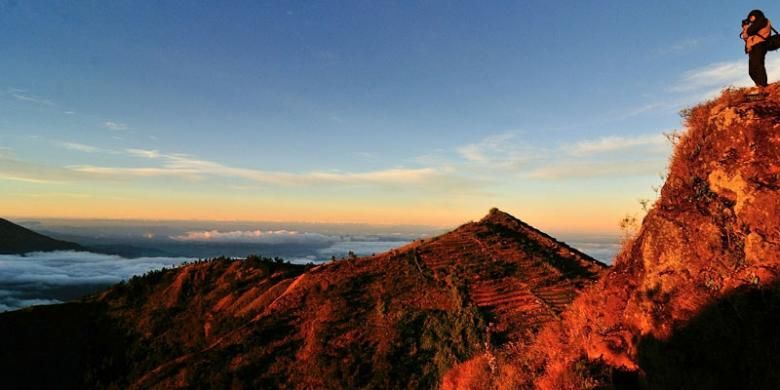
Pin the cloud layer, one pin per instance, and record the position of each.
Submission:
(271, 237)
(44, 278)
(63, 268)
(190, 167)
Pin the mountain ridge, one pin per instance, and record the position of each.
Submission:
(396, 319)
(16, 239)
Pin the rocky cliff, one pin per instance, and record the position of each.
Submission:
(692, 301)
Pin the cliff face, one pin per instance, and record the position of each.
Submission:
(400, 319)
(691, 300)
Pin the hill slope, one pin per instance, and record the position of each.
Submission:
(398, 319)
(693, 301)
(15, 239)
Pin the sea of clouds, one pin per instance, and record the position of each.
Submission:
(255, 236)
(602, 251)
(51, 277)
(42, 278)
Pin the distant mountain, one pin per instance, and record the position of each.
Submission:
(15, 239)
(400, 319)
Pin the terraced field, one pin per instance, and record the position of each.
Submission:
(519, 277)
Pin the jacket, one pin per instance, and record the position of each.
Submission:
(756, 32)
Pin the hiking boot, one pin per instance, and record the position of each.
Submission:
(756, 94)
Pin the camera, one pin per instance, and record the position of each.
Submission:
(745, 22)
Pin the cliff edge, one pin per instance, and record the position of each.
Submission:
(692, 299)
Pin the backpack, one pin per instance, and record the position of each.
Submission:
(773, 42)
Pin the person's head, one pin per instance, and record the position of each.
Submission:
(755, 14)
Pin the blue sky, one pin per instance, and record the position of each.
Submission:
(423, 112)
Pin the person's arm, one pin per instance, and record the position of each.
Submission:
(756, 26)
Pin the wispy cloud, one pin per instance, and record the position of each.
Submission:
(393, 175)
(504, 151)
(151, 154)
(645, 108)
(157, 164)
(31, 99)
(14, 169)
(704, 82)
(679, 46)
(570, 169)
(115, 172)
(646, 142)
(720, 74)
(714, 77)
(115, 126)
(84, 148)
(73, 195)
(25, 179)
(192, 168)
(78, 147)
(186, 167)
(604, 156)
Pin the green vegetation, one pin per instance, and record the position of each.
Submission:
(431, 342)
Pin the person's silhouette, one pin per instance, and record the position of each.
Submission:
(756, 29)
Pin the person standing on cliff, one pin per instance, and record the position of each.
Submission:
(756, 29)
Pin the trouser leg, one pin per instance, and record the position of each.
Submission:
(756, 66)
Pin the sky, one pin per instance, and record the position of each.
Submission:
(423, 112)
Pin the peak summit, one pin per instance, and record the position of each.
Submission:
(502, 218)
(496, 215)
